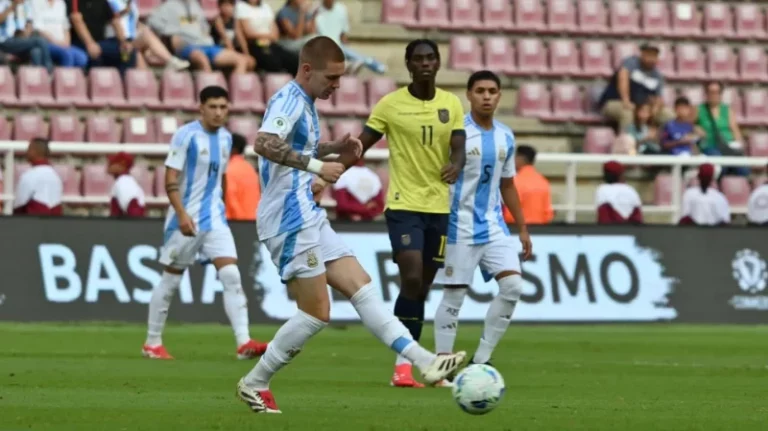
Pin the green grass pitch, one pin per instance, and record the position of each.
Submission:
(613, 378)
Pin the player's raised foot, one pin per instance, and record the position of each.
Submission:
(258, 401)
(403, 377)
(442, 367)
(155, 352)
(251, 349)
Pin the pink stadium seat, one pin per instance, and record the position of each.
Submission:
(5, 129)
(142, 89)
(529, 16)
(732, 97)
(28, 126)
(274, 82)
(432, 14)
(668, 95)
(497, 14)
(146, 6)
(7, 87)
(756, 106)
(325, 106)
(378, 87)
(350, 97)
(718, 21)
(165, 127)
(623, 50)
(595, 59)
(759, 181)
(466, 53)
(145, 179)
(178, 91)
(159, 180)
(245, 126)
(401, 12)
(531, 57)
(563, 58)
(561, 16)
(69, 88)
(207, 79)
(34, 86)
(106, 87)
(70, 178)
(567, 102)
(695, 94)
(102, 129)
(750, 22)
(662, 189)
(210, 8)
(599, 140)
(589, 110)
(139, 130)
(246, 92)
(342, 127)
(67, 128)
(499, 55)
(758, 144)
(533, 101)
(736, 190)
(592, 17)
(325, 132)
(686, 20)
(624, 18)
(721, 63)
(667, 60)
(465, 15)
(753, 66)
(655, 18)
(690, 61)
(96, 181)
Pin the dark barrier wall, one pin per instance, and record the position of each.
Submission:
(101, 269)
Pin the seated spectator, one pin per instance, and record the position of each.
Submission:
(184, 23)
(17, 37)
(636, 82)
(723, 135)
(90, 19)
(757, 206)
(142, 37)
(533, 189)
(52, 24)
(223, 29)
(40, 188)
(639, 137)
(680, 136)
(296, 22)
(127, 195)
(359, 194)
(256, 22)
(617, 202)
(703, 204)
(332, 20)
(243, 188)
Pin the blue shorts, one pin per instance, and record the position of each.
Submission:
(426, 232)
(210, 51)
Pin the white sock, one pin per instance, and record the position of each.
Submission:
(387, 328)
(447, 319)
(162, 295)
(286, 344)
(400, 360)
(235, 303)
(498, 317)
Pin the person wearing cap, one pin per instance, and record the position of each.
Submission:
(757, 206)
(40, 187)
(243, 190)
(617, 202)
(703, 204)
(127, 194)
(637, 81)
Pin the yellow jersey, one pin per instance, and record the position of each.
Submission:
(419, 135)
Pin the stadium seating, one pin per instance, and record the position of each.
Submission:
(529, 16)
(325, 132)
(165, 126)
(662, 192)
(350, 97)
(755, 106)
(466, 53)
(325, 106)
(28, 126)
(7, 87)
(736, 189)
(5, 129)
(533, 101)
(497, 14)
(245, 126)
(139, 130)
(342, 127)
(499, 55)
(733, 98)
(758, 144)
(531, 57)
(655, 18)
(718, 21)
(102, 129)
(465, 15)
(753, 66)
(401, 12)
(721, 63)
(106, 87)
(563, 58)
(70, 88)
(67, 128)
(624, 18)
(592, 17)
(145, 178)
(246, 92)
(71, 179)
(96, 180)
(561, 16)
(595, 59)
(379, 87)
(177, 91)
(159, 181)
(686, 21)
(599, 140)
(207, 79)
(622, 50)
(274, 82)
(567, 103)
(432, 14)
(34, 87)
(146, 6)
(690, 62)
(142, 89)
(750, 22)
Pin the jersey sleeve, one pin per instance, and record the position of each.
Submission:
(508, 170)
(378, 120)
(177, 153)
(283, 112)
(458, 114)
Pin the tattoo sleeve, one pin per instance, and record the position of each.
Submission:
(274, 149)
(326, 148)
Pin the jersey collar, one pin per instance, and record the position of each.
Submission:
(303, 93)
(479, 127)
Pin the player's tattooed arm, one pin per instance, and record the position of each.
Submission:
(330, 147)
(274, 149)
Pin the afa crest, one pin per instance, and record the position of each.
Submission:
(405, 240)
(502, 155)
(312, 259)
(444, 115)
(448, 271)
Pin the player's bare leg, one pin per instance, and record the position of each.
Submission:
(409, 308)
(162, 295)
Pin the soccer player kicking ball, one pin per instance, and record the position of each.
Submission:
(304, 247)
(196, 222)
(477, 234)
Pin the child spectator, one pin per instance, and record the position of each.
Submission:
(52, 24)
(680, 136)
(256, 22)
(638, 137)
(332, 20)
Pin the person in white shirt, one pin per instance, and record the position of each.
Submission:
(127, 195)
(17, 35)
(757, 206)
(40, 188)
(704, 205)
(332, 20)
(255, 24)
(617, 202)
(52, 23)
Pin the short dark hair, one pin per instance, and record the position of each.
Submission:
(483, 75)
(213, 92)
(42, 144)
(719, 84)
(319, 51)
(221, 2)
(527, 152)
(414, 43)
(238, 143)
(682, 101)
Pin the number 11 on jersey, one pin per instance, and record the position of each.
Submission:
(426, 135)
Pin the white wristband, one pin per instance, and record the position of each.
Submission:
(314, 166)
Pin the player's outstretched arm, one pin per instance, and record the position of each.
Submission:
(275, 149)
(512, 201)
(367, 139)
(345, 144)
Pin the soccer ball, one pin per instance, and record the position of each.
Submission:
(478, 389)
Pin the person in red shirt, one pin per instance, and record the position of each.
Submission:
(617, 202)
(359, 194)
(127, 194)
(40, 187)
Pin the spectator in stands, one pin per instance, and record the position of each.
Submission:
(617, 202)
(142, 37)
(640, 136)
(127, 195)
(184, 23)
(359, 194)
(680, 136)
(243, 188)
(223, 29)
(17, 37)
(722, 134)
(40, 188)
(636, 82)
(332, 20)
(52, 24)
(703, 204)
(533, 188)
(256, 21)
(90, 19)
(757, 206)
(296, 22)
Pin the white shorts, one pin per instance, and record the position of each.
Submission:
(493, 258)
(182, 251)
(303, 254)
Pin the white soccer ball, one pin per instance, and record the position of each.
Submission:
(478, 389)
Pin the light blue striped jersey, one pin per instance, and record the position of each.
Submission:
(129, 21)
(201, 157)
(16, 20)
(286, 197)
(476, 215)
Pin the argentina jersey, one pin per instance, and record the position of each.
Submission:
(286, 199)
(129, 21)
(201, 157)
(476, 214)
